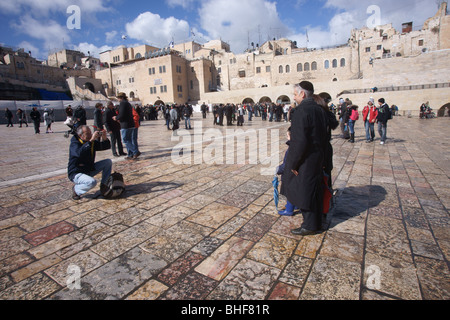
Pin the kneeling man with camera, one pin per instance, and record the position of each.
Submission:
(82, 166)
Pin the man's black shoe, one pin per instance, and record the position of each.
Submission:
(303, 232)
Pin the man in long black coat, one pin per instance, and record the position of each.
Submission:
(303, 174)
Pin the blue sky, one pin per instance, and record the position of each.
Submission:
(40, 26)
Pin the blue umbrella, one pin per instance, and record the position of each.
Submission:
(275, 190)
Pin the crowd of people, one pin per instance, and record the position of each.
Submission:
(349, 114)
(309, 157)
(426, 112)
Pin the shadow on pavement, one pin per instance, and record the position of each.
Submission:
(354, 201)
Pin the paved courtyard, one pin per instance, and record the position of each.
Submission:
(207, 231)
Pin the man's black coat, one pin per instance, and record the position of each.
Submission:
(306, 156)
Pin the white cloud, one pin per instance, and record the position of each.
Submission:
(49, 31)
(352, 14)
(153, 29)
(111, 36)
(93, 50)
(235, 21)
(28, 47)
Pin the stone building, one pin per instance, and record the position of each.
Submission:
(23, 77)
(407, 67)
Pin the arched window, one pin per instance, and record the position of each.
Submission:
(342, 62)
(306, 66)
(314, 66)
(138, 56)
(288, 69)
(280, 69)
(334, 63)
(327, 64)
(299, 67)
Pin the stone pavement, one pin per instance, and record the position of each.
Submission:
(211, 232)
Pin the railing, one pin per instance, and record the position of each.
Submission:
(399, 88)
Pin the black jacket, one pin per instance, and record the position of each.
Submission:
(125, 115)
(384, 114)
(306, 156)
(82, 155)
(35, 115)
(110, 124)
(280, 169)
(80, 113)
(98, 119)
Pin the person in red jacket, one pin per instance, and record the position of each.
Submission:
(134, 135)
(369, 114)
(353, 115)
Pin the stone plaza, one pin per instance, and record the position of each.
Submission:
(212, 231)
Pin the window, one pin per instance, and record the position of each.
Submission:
(242, 73)
(420, 43)
(152, 90)
(163, 89)
(288, 68)
(367, 49)
(306, 67)
(178, 69)
(379, 47)
(314, 65)
(327, 64)
(138, 56)
(258, 69)
(131, 80)
(334, 63)
(151, 71)
(219, 70)
(267, 68)
(280, 69)
(342, 62)
(299, 67)
(192, 84)
(162, 69)
(179, 88)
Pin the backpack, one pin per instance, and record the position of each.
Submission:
(116, 186)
